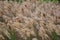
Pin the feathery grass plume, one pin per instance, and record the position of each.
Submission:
(31, 19)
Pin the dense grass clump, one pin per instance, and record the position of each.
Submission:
(29, 20)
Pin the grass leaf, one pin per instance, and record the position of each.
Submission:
(55, 36)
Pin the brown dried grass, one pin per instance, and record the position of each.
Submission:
(23, 18)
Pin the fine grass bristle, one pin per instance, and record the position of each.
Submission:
(30, 19)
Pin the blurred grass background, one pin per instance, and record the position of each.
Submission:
(20, 1)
